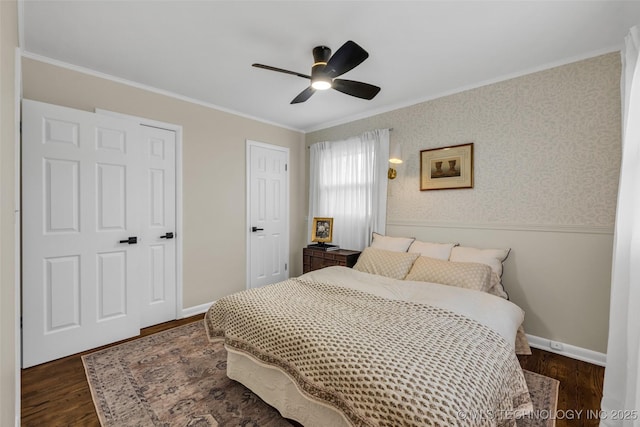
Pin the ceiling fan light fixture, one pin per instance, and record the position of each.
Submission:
(319, 80)
(327, 68)
(321, 83)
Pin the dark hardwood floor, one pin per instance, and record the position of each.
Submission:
(580, 386)
(57, 393)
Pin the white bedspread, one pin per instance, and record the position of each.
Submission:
(501, 315)
(380, 351)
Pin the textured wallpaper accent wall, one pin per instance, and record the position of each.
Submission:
(547, 149)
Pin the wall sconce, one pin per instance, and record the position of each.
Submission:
(395, 158)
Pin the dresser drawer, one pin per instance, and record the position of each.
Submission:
(314, 259)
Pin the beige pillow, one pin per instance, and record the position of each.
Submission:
(491, 257)
(385, 263)
(432, 250)
(387, 243)
(469, 275)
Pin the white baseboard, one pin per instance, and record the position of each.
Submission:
(198, 309)
(569, 350)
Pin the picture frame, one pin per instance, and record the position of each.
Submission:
(322, 230)
(446, 168)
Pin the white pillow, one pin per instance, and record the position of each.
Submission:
(432, 250)
(394, 244)
(496, 288)
(491, 257)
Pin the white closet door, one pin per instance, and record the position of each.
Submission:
(159, 225)
(81, 270)
(268, 214)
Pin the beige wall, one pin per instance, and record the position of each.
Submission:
(214, 199)
(547, 159)
(8, 364)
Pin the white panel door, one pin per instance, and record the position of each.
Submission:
(268, 214)
(159, 224)
(80, 274)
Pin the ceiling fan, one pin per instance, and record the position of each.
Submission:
(326, 68)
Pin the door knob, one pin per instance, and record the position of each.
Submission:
(167, 236)
(254, 229)
(131, 240)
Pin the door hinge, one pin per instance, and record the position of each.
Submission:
(286, 266)
(285, 167)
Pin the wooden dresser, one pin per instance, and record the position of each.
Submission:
(314, 259)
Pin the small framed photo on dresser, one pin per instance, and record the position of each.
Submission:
(322, 230)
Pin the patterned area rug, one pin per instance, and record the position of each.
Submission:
(178, 378)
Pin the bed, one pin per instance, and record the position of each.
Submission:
(368, 346)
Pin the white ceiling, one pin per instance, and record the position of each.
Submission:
(418, 50)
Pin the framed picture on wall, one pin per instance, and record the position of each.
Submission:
(446, 168)
(322, 230)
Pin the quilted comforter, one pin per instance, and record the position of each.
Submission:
(380, 361)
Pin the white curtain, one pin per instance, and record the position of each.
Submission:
(348, 182)
(622, 375)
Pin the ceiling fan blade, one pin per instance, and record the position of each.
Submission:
(280, 70)
(357, 89)
(304, 95)
(349, 56)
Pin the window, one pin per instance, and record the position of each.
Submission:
(348, 182)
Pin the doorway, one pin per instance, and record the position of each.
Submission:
(267, 214)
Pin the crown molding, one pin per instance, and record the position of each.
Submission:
(99, 74)
(464, 88)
